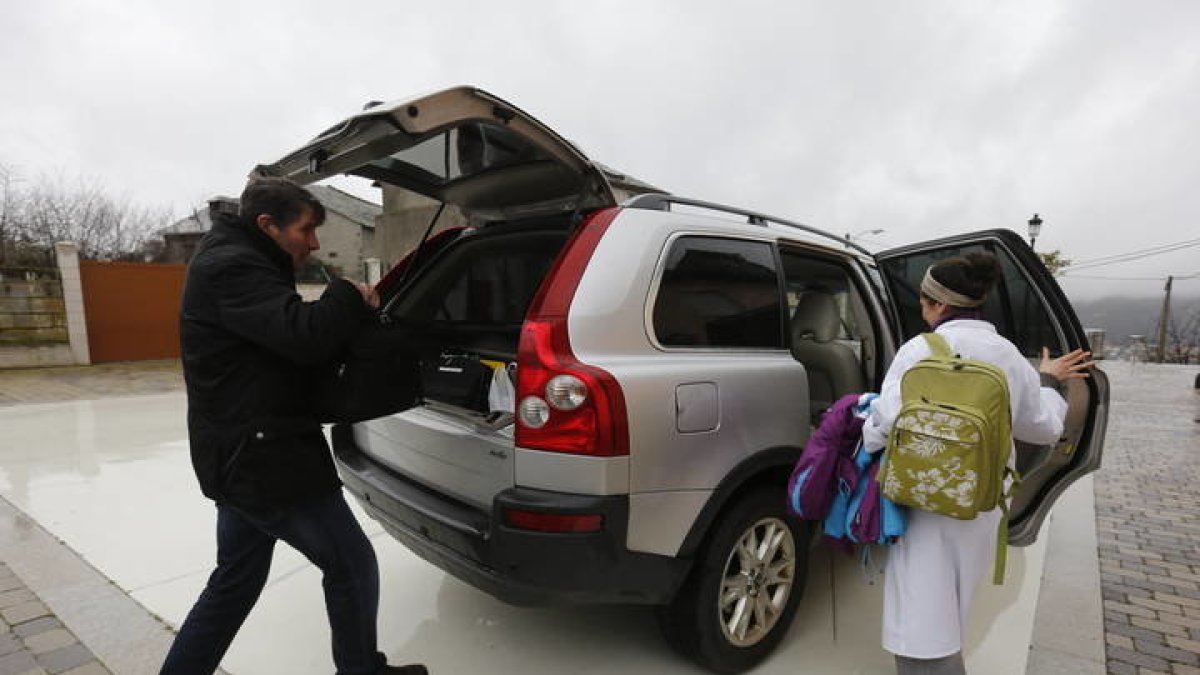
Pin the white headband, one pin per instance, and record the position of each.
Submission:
(931, 287)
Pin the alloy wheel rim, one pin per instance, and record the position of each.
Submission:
(757, 581)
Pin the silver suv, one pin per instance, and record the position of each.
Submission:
(668, 359)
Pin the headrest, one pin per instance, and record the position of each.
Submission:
(816, 319)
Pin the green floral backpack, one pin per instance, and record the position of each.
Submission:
(949, 446)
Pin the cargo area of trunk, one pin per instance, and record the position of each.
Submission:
(467, 302)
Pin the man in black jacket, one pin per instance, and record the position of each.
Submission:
(252, 353)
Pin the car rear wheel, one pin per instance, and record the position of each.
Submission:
(742, 595)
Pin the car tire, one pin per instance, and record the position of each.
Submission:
(738, 603)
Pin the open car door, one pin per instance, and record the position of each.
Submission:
(1029, 308)
(461, 146)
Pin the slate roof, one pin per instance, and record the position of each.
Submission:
(194, 224)
(355, 209)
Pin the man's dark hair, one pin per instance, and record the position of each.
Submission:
(279, 198)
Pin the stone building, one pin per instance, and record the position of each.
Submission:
(347, 237)
(181, 237)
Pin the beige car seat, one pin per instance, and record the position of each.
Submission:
(833, 368)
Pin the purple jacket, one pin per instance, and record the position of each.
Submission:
(828, 457)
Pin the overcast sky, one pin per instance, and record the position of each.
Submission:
(920, 118)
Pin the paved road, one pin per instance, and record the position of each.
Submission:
(1147, 499)
(75, 467)
(1148, 521)
(33, 640)
(49, 385)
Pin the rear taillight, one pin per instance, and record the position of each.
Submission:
(553, 522)
(564, 405)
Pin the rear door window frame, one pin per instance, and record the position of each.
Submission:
(655, 294)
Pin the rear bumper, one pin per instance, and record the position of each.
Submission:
(518, 566)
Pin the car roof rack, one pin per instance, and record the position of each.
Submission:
(662, 202)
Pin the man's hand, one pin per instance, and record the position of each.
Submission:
(369, 295)
(1072, 366)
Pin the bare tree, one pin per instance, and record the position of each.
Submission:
(82, 211)
(10, 214)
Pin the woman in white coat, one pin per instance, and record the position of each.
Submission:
(932, 572)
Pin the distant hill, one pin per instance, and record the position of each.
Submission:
(1121, 317)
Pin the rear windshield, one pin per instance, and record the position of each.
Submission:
(483, 279)
(462, 152)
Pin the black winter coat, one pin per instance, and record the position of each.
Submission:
(253, 353)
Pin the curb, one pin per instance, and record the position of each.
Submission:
(114, 627)
(1068, 627)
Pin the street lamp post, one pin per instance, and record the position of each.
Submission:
(1035, 227)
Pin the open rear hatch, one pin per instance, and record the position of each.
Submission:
(461, 146)
(469, 295)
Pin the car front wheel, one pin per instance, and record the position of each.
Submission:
(742, 595)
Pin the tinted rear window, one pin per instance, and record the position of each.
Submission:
(462, 152)
(719, 293)
(483, 279)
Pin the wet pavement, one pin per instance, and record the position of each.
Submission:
(48, 385)
(111, 478)
(1148, 521)
(110, 626)
(33, 639)
(100, 478)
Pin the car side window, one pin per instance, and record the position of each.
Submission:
(1015, 307)
(806, 275)
(719, 293)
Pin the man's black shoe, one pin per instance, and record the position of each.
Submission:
(410, 669)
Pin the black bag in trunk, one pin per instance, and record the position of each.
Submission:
(457, 379)
(380, 374)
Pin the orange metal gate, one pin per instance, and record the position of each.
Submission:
(132, 309)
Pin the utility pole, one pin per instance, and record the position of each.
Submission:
(1162, 322)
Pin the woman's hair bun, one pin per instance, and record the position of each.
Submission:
(972, 275)
(983, 268)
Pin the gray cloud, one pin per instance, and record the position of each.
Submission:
(924, 119)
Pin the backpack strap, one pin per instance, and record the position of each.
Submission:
(1001, 549)
(938, 344)
(1002, 528)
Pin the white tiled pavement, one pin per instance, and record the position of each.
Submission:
(111, 478)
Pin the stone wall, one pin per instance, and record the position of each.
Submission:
(41, 314)
(33, 319)
(32, 310)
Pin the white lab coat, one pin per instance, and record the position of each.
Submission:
(933, 571)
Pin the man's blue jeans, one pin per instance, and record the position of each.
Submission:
(326, 532)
